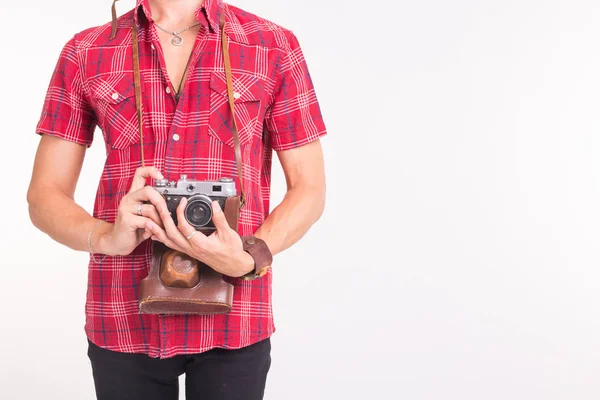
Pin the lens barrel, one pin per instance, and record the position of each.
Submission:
(198, 211)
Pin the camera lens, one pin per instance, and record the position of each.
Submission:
(198, 211)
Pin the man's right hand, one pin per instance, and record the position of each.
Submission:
(129, 229)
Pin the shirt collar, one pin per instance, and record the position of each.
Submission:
(209, 11)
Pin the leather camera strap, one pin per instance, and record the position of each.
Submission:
(236, 138)
(138, 95)
(138, 87)
(113, 29)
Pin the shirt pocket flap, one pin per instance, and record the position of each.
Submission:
(112, 88)
(246, 87)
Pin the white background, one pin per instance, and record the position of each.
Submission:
(458, 255)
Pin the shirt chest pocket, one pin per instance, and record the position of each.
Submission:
(249, 95)
(114, 102)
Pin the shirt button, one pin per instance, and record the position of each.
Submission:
(115, 96)
(175, 137)
(236, 95)
(152, 46)
(168, 89)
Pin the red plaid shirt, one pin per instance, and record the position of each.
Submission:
(276, 108)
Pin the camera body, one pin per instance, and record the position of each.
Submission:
(200, 194)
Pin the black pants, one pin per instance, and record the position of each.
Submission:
(217, 374)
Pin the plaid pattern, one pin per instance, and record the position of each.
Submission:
(276, 108)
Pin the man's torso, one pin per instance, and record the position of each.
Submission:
(275, 108)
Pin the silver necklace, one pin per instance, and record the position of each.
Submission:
(177, 40)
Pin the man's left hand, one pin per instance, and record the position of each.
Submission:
(222, 250)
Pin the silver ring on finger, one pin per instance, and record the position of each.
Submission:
(139, 209)
(191, 235)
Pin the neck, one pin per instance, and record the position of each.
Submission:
(174, 12)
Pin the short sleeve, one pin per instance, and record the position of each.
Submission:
(66, 112)
(294, 118)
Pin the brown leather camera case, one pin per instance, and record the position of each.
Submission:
(179, 284)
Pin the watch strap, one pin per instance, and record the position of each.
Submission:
(259, 250)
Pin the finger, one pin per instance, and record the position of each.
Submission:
(185, 228)
(174, 235)
(141, 175)
(162, 236)
(136, 222)
(147, 234)
(147, 193)
(219, 218)
(149, 211)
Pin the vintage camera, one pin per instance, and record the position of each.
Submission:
(200, 194)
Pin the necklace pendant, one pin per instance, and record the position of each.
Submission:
(177, 41)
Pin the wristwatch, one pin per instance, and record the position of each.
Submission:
(263, 258)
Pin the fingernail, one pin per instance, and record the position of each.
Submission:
(160, 176)
(150, 225)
